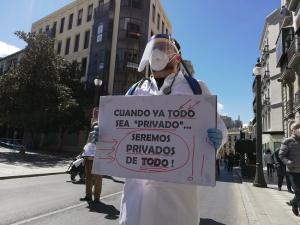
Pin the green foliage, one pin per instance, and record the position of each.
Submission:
(42, 93)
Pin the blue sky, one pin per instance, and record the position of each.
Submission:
(220, 37)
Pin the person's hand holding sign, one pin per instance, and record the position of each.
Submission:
(95, 134)
(215, 136)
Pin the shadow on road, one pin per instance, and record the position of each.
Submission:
(229, 176)
(110, 210)
(32, 160)
(205, 221)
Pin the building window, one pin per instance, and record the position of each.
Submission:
(131, 3)
(76, 45)
(47, 28)
(67, 46)
(128, 60)
(153, 13)
(62, 23)
(79, 18)
(99, 32)
(86, 39)
(136, 4)
(59, 47)
(83, 65)
(100, 2)
(131, 57)
(151, 33)
(70, 21)
(40, 30)
(54, 29)
(90, 13)
(132, 27)
(167, 32)
(162, 27)
(158, 21)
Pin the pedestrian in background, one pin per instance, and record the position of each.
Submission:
(91, 179)
(226, 161)
(290, 155)
(218, 162)
(230, 161)
(281, 172)
(269, 162)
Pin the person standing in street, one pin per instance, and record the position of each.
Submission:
(269, 162)
(149, 202)
(230, 161)
(289, 153)
(281, 172)
(91, 179)
(218, 161)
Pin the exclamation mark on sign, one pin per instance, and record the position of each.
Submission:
(172, 163)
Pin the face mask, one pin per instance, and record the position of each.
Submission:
(297, 132)
(158, 60)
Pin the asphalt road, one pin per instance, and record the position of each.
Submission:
(53, 200)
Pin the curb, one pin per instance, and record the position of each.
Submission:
(31, 175)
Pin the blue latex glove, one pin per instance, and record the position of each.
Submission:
(215, 136)
(95, 134)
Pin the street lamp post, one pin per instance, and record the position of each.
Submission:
(98, 83)
(259, 180)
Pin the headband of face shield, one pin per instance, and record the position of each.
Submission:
(158, 53)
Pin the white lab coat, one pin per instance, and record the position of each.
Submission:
(148, 202)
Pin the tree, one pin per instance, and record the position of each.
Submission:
(40, 93)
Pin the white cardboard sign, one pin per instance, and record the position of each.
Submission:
(161, 138)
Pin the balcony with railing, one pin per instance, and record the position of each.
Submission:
(283, 43)
(265, 53)
(287, 19)
(293, 53)
(266, 102)
(287, 75)
(292, 4)
(297, 100)
(267, 75)
(289, 108)
(296, 20)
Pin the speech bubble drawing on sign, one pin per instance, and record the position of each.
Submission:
(156, 154)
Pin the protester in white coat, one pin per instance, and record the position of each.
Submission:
(148, 202)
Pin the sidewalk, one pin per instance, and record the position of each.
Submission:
(15, 165)
(267, 206)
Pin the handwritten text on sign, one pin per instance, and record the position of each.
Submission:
(157, 137)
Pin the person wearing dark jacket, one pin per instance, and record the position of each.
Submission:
(290, 155)
(281, 172)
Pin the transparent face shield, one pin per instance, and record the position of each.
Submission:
(157, 44)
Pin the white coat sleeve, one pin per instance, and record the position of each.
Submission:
(220, 123)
